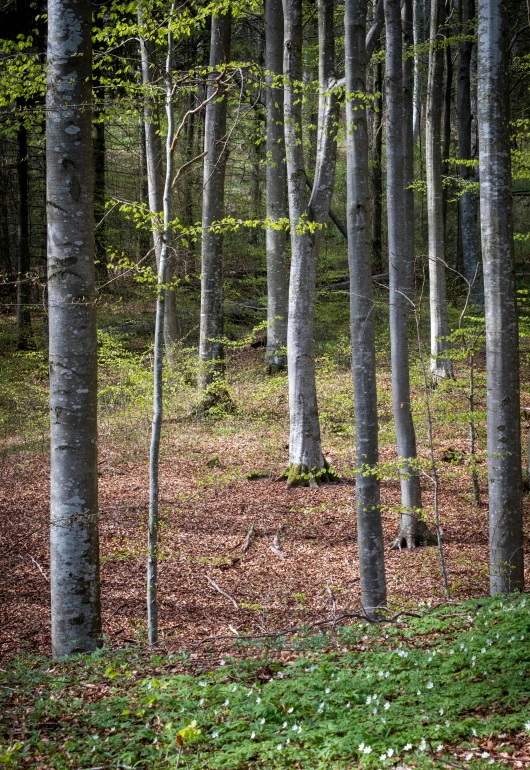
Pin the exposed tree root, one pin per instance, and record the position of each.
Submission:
(299, 475)
(413, 533)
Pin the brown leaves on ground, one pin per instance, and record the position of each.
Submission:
(206, 515)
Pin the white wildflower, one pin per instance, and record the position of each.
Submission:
(422, 745)
(367, 749)
(284, 725)
(202, 684)
(262, 721)
(407, 747)
(419, 692)
(226, 702)
(328, 691)
(485, 754)
(361, 747)
(430, 685)
(252, 736)
(279, 747)
(441, 712)
(201, 701)
(258, 700)
(290, 711)
(368, 700)
(215, 735)
(390, 752)
(387, 705)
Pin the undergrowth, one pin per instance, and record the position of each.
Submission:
(369, 696)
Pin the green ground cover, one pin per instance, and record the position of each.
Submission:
(409, 693)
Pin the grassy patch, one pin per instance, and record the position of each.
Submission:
(365, 696)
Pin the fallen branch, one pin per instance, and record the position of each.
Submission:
(223, 593)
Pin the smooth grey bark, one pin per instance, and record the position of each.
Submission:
(306, 462)
(24, 333)
(408, 141)
(211, 352)
(468, 202)
(399, 271)
(155, 172)
(276, 239)
(377, 170)
(417, 31)
(158, 356)
(440, 365)
(74, 549)
(502, 338)
(367, 496)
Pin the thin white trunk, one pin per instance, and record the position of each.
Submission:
(440, 362)
(74, 548)
(211, 352)
(152, 540)
(277, 279)
(502, 337)
(417, 13)
(369, 528)
(155, 170)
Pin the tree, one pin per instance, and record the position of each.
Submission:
(369, 528)
(468, 202)
(211, 326)
(440, 362)
(307, 217)
(152, 542)
(412, 530)
(277, 282)
(155, 168)
(502, 339)
(75, 600)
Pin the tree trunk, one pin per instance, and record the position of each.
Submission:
(440, 363)
(211, 352)
(99, 197)
(399, 272)
(155, 174)
(74, 552)
(446, 143)
(502, 338)
(468, 202)
(24, 334)
(369, 528)
(306, 462)
(408, 142)
(417, 15)
(277, 281)
(152, 540)
(377, 170)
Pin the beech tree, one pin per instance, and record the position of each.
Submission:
(74, 558)
(468, 201)
(211, 324)
(154, 159)
(400, 269)
(440, 362)
(502, 337)
(276, 238)
(307, 216)
(369, 528)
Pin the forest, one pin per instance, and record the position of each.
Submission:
(264, 354)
